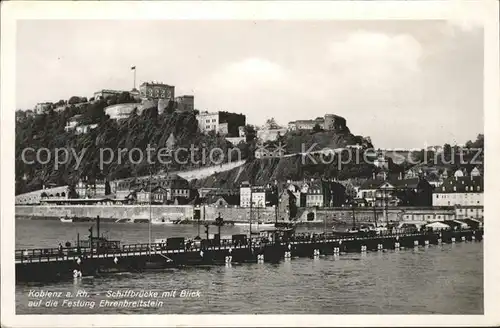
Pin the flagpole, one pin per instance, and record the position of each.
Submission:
(134, 69)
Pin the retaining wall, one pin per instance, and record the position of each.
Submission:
(330, 215)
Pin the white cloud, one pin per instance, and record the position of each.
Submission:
(376, 55)
(250, 72)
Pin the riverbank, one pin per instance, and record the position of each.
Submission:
(238, 214)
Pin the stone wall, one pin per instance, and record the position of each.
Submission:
(108, 211)
(328, 215)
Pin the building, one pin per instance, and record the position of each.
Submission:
(224, 123)
(306, 124)
(41, 108)
(84, 129)
(460, 173)
(106, 93)
(213, 196)
(156, 90)
(408, 192)
(317, 193)
(87, 189)
(460, 191)
(269, 152)
(142, 195)
(121, 111)
(208, 121)
(236, 140)
(170, 143)
(295, 191)
(255, 194)
(315, 197)
(287, 205)
(72, 123)
(159, 195)
(185, 103)
(245, 194)
(223, 197)
(176, 187)
(270, 134)
(258, 196)
(329, 122)
(475, 172)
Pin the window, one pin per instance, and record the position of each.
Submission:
(478, 188)
(213, 120)
(454, 188)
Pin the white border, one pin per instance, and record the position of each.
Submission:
(485, 12)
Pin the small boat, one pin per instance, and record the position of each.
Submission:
(66, 219)
(162, 221)
(265, 225)
(255, 224)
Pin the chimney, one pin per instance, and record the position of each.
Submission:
(400, 175)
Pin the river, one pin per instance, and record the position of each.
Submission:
(444, 279)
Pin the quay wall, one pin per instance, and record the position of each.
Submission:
(107, 212)
(329, 215)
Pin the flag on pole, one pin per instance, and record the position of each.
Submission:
(132, 68)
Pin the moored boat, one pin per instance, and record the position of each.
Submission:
(162, 221)
(66, 219)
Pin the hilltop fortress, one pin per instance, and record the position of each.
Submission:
(329, 122)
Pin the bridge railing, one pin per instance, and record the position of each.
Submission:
(39, 254)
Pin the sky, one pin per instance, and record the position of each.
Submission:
(405, 84)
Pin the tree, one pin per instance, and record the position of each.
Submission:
(317, 128)
(271, 124)
(123, 98)
(107, 188)
(447, 152)
(250, 133)
(74, 100)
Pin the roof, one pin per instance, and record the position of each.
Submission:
(76, 200)
(437, 225)
(371, 184)
(317, 120)
(408, 183)
(228, 199)
(412, 183)
(222, 192)
(155, 84)
(158, 189)
(461, 185)
(314, 185)
(109, 91)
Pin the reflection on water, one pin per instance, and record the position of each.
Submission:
(444, 279)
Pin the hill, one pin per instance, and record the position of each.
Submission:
(136, 132)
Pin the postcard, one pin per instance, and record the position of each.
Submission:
(249, 163)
